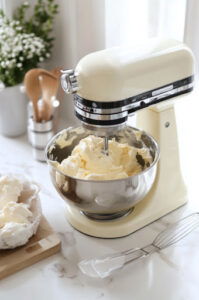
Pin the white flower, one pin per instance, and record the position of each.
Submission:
(18, 48)
(3, 64)
(26, 3)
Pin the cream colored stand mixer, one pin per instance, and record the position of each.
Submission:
(108, 86)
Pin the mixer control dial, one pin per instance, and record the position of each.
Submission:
(69, 81)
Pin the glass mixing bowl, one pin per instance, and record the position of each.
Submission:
(101, 199)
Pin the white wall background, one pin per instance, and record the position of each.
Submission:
(131, 21)
(191, 32)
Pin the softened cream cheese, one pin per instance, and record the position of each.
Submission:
(15, 213)
(10, 189)
(15, 217)
(87, 160)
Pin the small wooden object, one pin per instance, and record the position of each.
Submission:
(49, 87)
(33, 90)
(44, 244)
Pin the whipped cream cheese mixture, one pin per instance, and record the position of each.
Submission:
(87, 160)
(13, 215)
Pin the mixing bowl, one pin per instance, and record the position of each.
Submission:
(101, 199)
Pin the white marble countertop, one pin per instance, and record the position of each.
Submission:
(169, 275)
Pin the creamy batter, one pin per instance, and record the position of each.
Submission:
(87, 160)
(10, 190)
(15, 213)
(10, 210)
(15, 217)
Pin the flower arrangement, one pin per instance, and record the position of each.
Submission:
(25, 43)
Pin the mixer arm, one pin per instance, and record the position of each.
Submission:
(158, 95)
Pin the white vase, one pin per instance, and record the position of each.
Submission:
(13, 111)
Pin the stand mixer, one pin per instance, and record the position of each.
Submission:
(108, 86)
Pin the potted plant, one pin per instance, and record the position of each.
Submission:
(24, 44)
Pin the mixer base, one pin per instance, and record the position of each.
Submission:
(143, 214)
(102, 217)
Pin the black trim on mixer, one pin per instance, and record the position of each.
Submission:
(101, 122)
(141, 97)
(88, 112)
(143, 105)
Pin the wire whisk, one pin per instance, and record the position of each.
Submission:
(103, 266)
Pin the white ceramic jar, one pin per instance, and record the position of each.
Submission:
(13, 111)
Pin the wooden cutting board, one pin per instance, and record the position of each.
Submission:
(41, 245)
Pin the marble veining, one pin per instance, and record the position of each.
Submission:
(67, 265)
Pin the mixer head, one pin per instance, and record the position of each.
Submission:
(111, 84)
